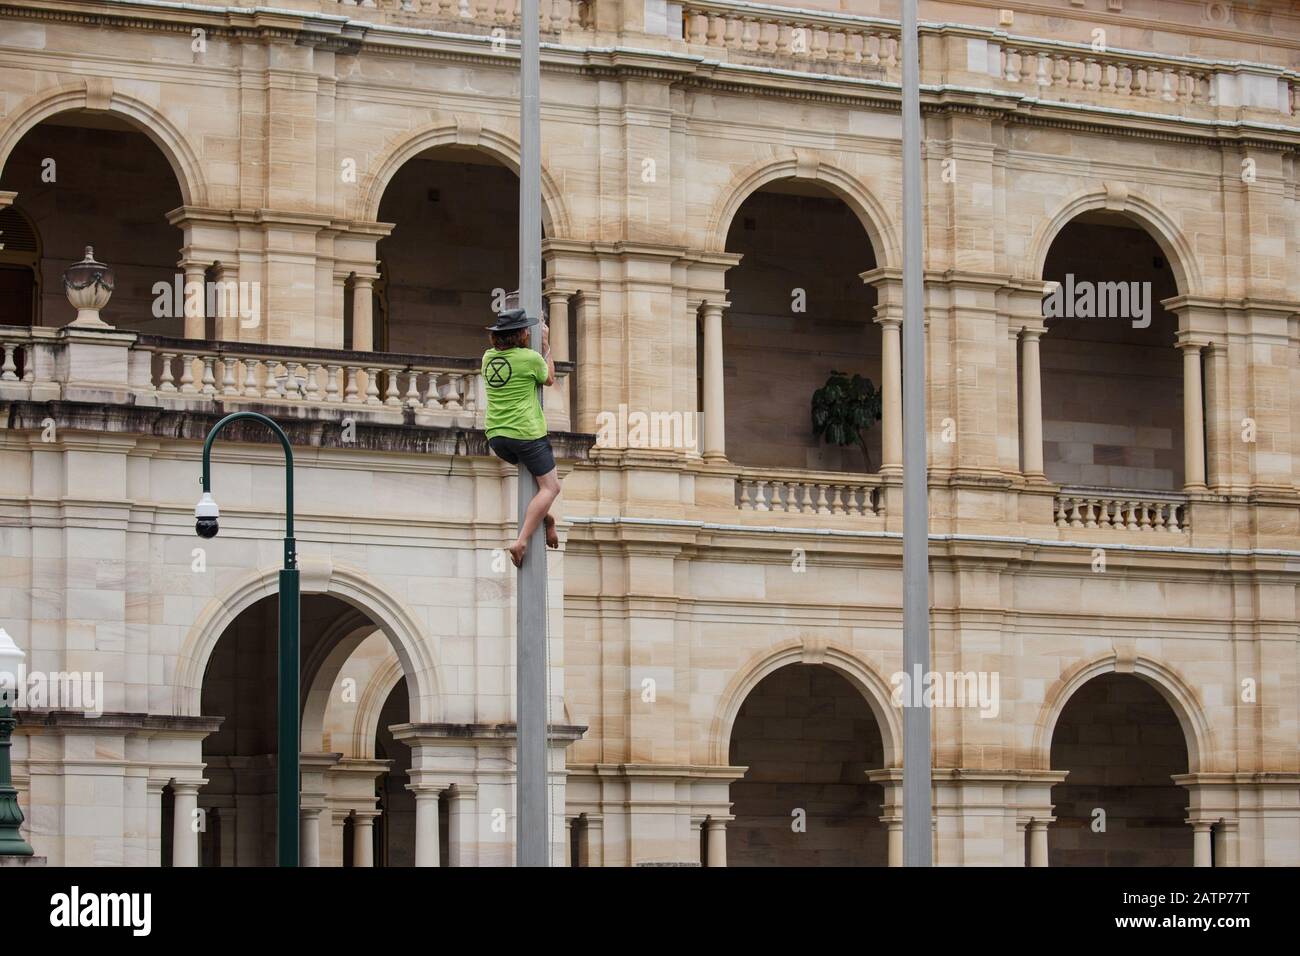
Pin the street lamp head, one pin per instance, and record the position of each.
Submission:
(205, 516)
(11, 660)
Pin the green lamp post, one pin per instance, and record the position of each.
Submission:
(205, 525)
(11, 817)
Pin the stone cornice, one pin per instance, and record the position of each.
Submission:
(193, 425)
(691, 71)
(117, 722)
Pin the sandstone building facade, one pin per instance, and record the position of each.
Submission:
(311, 209)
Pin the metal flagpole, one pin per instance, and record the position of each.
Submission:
(917, 809)
(531, 830)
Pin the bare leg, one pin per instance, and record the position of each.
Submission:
(548, 489)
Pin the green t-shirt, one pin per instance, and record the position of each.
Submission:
(510, 379)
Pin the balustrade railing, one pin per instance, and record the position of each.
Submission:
(762, 490)
(1061, 69)
(740, 31)
(184, 373)
(554, 16)
(1121, 511)
(179, 372)
(772, 31)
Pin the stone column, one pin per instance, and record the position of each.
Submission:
(591, 840)
(339, 820)
(227, 319)
(196, 299)
(428, 852)
(715, 840)
(557, 316)
(363, 842)
(1225, 843)
(1037, 834)
(185, 840)
(1031, 397)
(891, 384)
(1202, 834)
(894, 836)
(309, 836)
(462, 835)
(363, 323)
(715, 424)
(1193, 418)
(154, 792)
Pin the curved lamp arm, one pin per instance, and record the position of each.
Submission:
(290, 555)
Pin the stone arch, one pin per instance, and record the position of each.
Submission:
(409, 640)
(555, 218)
(97, 95)
(1176, 692)
(1134, 206)
(371, 704)
(873, 687)
(320, 672)
(807, 167)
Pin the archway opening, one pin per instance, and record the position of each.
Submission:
(799, 311)
(239, 685)
(1121, 742)
(808, 737)
(452, 254)
(94, 179)
(1112, 385)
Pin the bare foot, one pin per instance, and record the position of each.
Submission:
(517, 553)
(552, 537)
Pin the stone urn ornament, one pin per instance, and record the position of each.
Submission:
(88, 285)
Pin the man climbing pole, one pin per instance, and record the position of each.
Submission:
(515, 426)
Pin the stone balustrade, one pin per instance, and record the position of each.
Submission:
(807, 493)
(1121, 511)
(1133, 76)
(291, 381)
(177, 371)
(745, 28)
(555, 16)
(975, 57)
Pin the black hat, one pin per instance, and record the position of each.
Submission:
(511, 321)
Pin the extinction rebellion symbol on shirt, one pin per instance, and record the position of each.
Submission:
(498, 372)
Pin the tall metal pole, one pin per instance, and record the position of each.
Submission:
(917, 809)
(531, 830)
(288, 723)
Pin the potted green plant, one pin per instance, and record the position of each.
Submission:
(844, 409)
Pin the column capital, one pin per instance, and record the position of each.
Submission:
(713, 305)
(1192, 342)
(552, 289)
(426, 790)
(188, 786)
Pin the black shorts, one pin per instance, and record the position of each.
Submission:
(535, 454)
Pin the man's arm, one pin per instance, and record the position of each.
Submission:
(546, 354)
